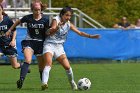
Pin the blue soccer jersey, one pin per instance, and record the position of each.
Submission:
(36, 28)
(5, 24)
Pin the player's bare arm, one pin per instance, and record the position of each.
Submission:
(96, 36)
(12, 27)
(53, 29)
(13, 41)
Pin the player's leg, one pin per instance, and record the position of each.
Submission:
(14, 63)
(28, 52)
(38, 52)
(45, 75)
(41, 65)
(61, 57)
(11, 53)
(47, 55)
(65, 63)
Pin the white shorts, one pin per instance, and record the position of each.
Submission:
(55, 49)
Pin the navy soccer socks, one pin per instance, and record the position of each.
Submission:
(40, 71)
(24, 70)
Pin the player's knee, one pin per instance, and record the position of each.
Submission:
(62, 59)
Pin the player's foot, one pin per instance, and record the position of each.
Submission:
(44, 87)
(73, 85)
(19, 84)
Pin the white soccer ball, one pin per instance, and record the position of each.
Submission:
(84, 84)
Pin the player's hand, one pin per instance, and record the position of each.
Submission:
(96, 36)
(7, 34)
(50, 32)
(12, 43)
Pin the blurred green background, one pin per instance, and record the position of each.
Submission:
(107, 12)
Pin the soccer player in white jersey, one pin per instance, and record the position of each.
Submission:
(53, 45)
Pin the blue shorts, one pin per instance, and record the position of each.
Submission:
(36, 46)
(8, 50)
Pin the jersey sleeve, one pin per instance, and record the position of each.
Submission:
(47, 23)
(57, 18)
(10, 23)
(24, 19)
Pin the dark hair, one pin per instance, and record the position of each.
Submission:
(43, 6)
(64, 10)
(3, 13)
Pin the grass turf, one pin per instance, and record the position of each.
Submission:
(105, 78)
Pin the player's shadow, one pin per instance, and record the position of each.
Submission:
(8, 89)
(16, 90)
(29, 89)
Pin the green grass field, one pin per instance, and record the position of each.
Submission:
(105, 78)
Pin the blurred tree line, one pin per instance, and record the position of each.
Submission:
(106, 12)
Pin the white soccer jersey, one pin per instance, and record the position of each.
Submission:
(60, 35)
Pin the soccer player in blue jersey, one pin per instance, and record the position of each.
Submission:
(37, 23)
(8, 45)
(53, 45)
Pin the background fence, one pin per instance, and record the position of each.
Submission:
(114, 44)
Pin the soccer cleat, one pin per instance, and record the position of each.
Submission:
(44, 87)
(19, 84)
(73, 85)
